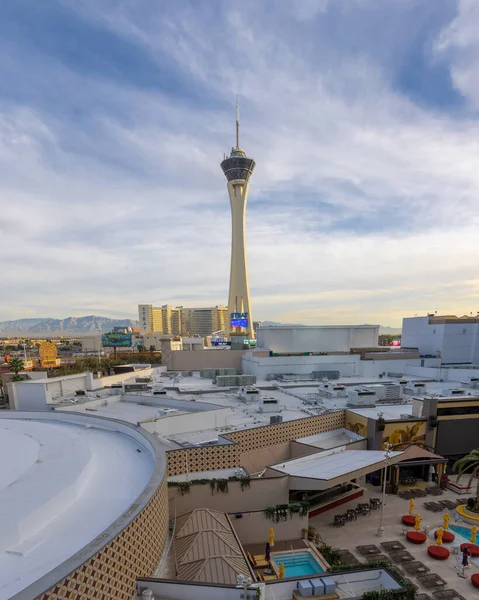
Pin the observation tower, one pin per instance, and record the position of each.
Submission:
(238, 169)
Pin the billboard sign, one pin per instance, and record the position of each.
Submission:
(239, 319)
(114, 339)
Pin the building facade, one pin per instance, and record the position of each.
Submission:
(181, 320)
(454, 339)
(238, 169)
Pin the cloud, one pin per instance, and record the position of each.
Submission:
(363, 202)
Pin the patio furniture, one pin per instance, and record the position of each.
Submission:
(368, 550)
(475, 580)
(402, 556)
(375, 503)
(433, 506)
(431, 581)
(473, 548)
(438, 552)
(448, 595)
(416, 567)
(409, 520)
(348, 558)
(416, 537)
(392, 546)
(448, 504)
(257, 561)
(447, 536)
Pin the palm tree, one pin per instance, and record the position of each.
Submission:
(469, 464)
(16, 365)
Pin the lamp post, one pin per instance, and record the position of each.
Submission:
(380, 531)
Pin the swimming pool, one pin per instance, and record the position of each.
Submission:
(465, 532)
(297, 564)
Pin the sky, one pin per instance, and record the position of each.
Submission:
(362, 116)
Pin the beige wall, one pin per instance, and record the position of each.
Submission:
(257, 460)
(249, 440)
(194, 360)
(261, 493)
(253, 527)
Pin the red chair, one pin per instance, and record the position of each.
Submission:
(447, 536)
(409, 520)
(475, 580)
(438, 552)
(416, 537)
(473, 549)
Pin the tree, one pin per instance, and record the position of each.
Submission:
(152, 348)
(141, 348)
(469, 465)
(16, 365)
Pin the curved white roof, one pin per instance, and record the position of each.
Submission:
(61, 484)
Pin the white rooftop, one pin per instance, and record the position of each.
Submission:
(333, 463)
(331, 439)
(390, 412)
(61, 485)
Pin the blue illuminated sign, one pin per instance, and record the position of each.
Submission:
(239, 319)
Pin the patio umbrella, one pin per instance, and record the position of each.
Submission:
(411, 506)
(473, 534)
(267, 552)
(281, 571)
(271, 537)
(440, 532)
(447, 518)
(417, 524)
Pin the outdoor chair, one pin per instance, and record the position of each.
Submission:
(432, 581)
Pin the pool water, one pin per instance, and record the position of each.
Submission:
(297, 564)
(465, 532)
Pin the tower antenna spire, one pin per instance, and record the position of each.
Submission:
(237, 121)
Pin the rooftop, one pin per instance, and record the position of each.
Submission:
(333, 464)
(50, 488)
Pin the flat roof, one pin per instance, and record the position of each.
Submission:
(331, 439)
(62, 485)
(332, 464)
(390, 412)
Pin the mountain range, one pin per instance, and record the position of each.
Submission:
(95, 324)
(78, 325)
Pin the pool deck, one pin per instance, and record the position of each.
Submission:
(364, 531)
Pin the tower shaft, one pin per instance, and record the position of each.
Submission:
(239, 307)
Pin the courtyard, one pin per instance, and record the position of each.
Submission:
(363, 533)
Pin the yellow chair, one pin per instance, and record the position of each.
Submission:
(257, 561)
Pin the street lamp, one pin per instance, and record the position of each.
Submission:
(380, 531)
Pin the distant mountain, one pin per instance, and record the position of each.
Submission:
(78, 325)
(389, 330)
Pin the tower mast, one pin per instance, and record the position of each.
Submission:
(237, 122)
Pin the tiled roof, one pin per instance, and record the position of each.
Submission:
(206, 548)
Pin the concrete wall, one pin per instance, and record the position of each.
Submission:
(373, 368)
(38, 394)
(253, 527)
(261, 493)
(195, 360)
(348, 365)
(178, 424)
(456, 342)
(317, 339)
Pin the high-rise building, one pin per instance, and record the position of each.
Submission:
(238, 169)
(180, 320)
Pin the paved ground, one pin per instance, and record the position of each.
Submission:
(364, 531)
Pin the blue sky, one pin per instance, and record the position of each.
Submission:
(362, 116)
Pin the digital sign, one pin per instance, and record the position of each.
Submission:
(113, 339)
(239, 320)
